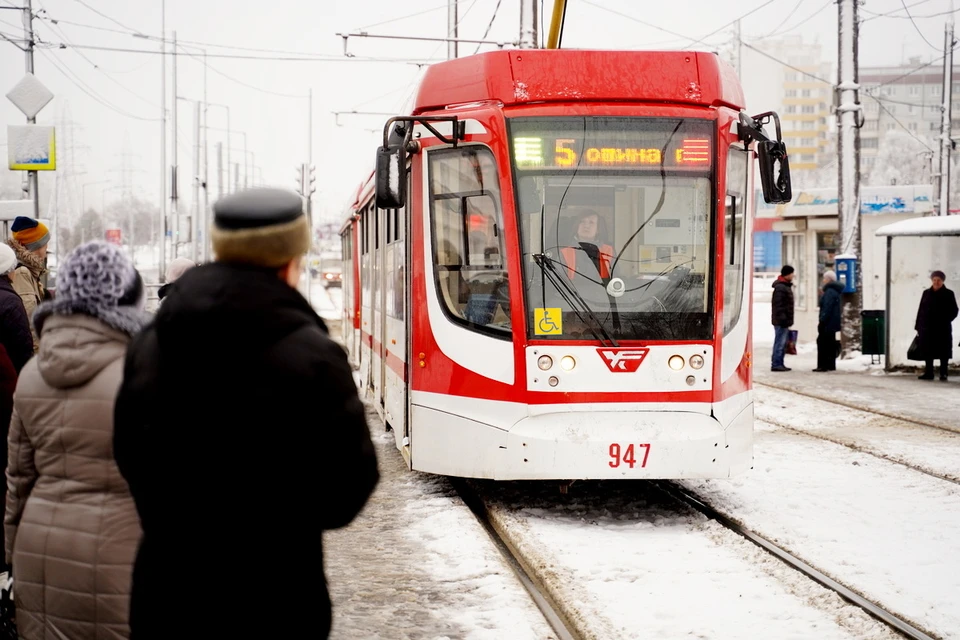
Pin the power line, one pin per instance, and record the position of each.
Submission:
(784, 21)
(888, 14)
(240, 82)
(103, 15)
(801, 23)
(496, 9)
(786, 64)
(908, 73)
(732, 22)
(90, 92)
(412, 15)
(889, 113)
(914, 23)
(638, 20)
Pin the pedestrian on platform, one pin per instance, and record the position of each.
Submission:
(830, 305)
(16, 348)
(781, 308)
(71, 524)
(265, 447)
(938, 309)
(176, 269)
(28, 239)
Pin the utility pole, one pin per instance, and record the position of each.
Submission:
(175, 178)
(452, 29)
(194, 217)
(529, 22)
(162, 222)
(946, 144)
(310, 139)
(33, 183)
(219, 170)
(204, 230)
(848, 151)
(236, 176)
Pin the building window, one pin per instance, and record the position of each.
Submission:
(791, 108)
(808, 108)
(935, 90)
(790, 93)
(914, 90)
(870, 125)
(934, 126)
(912, 126)
(807, 142)
(891, 126)
(869, 143)
(468, 250)
(808, 125)
(805, 93)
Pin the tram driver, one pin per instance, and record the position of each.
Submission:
(588, 253)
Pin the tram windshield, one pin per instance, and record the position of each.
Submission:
(616, 225)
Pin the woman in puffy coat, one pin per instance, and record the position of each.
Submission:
(71, 525)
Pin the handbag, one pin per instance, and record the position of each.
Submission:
(791, 347)
(913, 353)
(8, 612)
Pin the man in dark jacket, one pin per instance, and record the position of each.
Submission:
(830, 306)
(781, 308)
(938, 309)
(239, 429)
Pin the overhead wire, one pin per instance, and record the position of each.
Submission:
(486, 32)
(784, 21)
(916, 26)
(902, 126)
(103, 15)
(799, 24)
(73, 79)
(732, 22)
(786, 64)
(412, 15)
(875, 15)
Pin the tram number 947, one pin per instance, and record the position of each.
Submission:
(628, 455)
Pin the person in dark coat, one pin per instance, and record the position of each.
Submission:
(781, 310)
(265, 447)
(16, 348)
(829, 324)
(938, 309)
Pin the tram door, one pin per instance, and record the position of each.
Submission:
(376, 306)
(393, 368)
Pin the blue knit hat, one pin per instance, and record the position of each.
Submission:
(97, 279)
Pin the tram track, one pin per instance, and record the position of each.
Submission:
(560, 616)
(858, 407)
(863, 446)
(875, 610)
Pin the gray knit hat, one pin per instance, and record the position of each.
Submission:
(97, 279)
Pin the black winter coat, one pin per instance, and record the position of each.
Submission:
(14, 326)
(830, 307)
(781, 303)
(241, 434)
(934, 323)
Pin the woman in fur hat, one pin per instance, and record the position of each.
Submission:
(71, 524)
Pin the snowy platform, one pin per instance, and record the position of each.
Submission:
(857, 383)
(417, 564)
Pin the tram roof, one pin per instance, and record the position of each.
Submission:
(523, 76)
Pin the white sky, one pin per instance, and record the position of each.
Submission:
(276, 126)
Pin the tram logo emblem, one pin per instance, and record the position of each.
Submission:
(623, 360)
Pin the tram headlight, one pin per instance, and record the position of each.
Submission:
(568, 363)
(553, 381)
(544, 362)
(675, 363)
(691, 380)
(696, 361)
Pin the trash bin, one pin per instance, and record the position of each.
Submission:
(872, 333)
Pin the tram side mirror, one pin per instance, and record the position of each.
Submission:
(774, 171)
(391, 178)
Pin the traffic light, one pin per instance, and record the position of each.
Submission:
(311, 179)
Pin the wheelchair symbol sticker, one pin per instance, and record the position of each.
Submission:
(548, 322)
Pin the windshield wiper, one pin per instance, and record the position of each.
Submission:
(569, 294)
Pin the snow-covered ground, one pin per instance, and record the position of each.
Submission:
(417, 564)
(884, 530)
(936, 451)
(632, 563)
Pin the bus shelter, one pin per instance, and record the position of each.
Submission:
(915, 247)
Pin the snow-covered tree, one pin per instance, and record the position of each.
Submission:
(901, 159)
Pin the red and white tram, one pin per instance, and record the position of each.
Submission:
(547, 276)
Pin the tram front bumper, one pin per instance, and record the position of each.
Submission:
(626, 445)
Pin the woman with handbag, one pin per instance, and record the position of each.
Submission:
(71, 524)
(935, 316)
(830, 305)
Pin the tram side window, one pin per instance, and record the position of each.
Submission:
(734, 235)
(468, 247)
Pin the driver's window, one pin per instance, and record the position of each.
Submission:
(468, 245)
